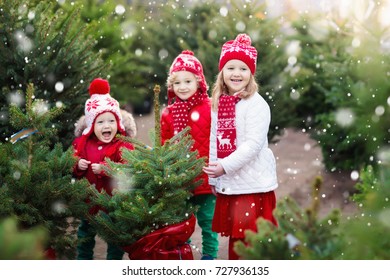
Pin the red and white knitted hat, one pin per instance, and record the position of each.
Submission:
(186, 61)
(100, 102)
(241, 49)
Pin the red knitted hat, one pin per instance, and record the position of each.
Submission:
(186, 61)
(241, 49)
(100, 102)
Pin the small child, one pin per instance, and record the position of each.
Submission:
(241, 167)
(102, 122)
(192, 107)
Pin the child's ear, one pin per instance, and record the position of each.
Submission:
(80, 126)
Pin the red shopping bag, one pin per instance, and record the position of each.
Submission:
(167, 243)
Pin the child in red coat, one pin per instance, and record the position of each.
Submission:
(192, 107)
(103, 121)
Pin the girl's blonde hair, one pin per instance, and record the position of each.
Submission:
(171, 78)
(219, 88)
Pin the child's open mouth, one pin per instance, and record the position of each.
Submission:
(106, 134)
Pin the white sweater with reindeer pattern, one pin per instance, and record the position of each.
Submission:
(251, 168)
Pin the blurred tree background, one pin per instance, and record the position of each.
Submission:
(43, 45)
(323, 67)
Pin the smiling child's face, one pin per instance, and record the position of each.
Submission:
(106, 127)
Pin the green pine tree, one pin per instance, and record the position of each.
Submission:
(300, 234)
(154, 187)
(339, 84)
(51, 48)
(303, 235)
(36, 183)
(114, 37)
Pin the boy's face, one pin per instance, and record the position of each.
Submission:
(105, 127)
(236, 75)
(184, 84)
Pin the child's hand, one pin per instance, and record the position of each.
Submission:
(83, 164)
(96, 168)
(214, 170)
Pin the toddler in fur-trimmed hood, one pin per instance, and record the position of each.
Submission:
(96, 142)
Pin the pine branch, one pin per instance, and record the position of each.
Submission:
(43, 192)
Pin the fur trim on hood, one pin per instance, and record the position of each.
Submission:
(128, 122)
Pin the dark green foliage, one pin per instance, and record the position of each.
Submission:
(36, 183)
(321, 81)
(320, 78)
(114, 36)
(343, 148)
(46, 48)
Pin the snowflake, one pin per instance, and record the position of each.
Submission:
(93, 104)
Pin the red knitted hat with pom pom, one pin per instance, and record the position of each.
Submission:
(100, 102)
(241, 49)
(186, 61)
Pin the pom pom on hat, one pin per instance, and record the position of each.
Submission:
(243, 39)
(241, 49)
(99, 86)
(186, 61)
(100, 101)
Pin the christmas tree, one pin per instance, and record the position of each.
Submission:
(337, 77)
(154, 187)
(300, 234)
(36, 183)
(51, 48)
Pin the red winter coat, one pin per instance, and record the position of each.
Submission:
(96, 151)
(200, 132)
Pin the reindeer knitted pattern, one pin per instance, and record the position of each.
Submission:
(226, 126)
